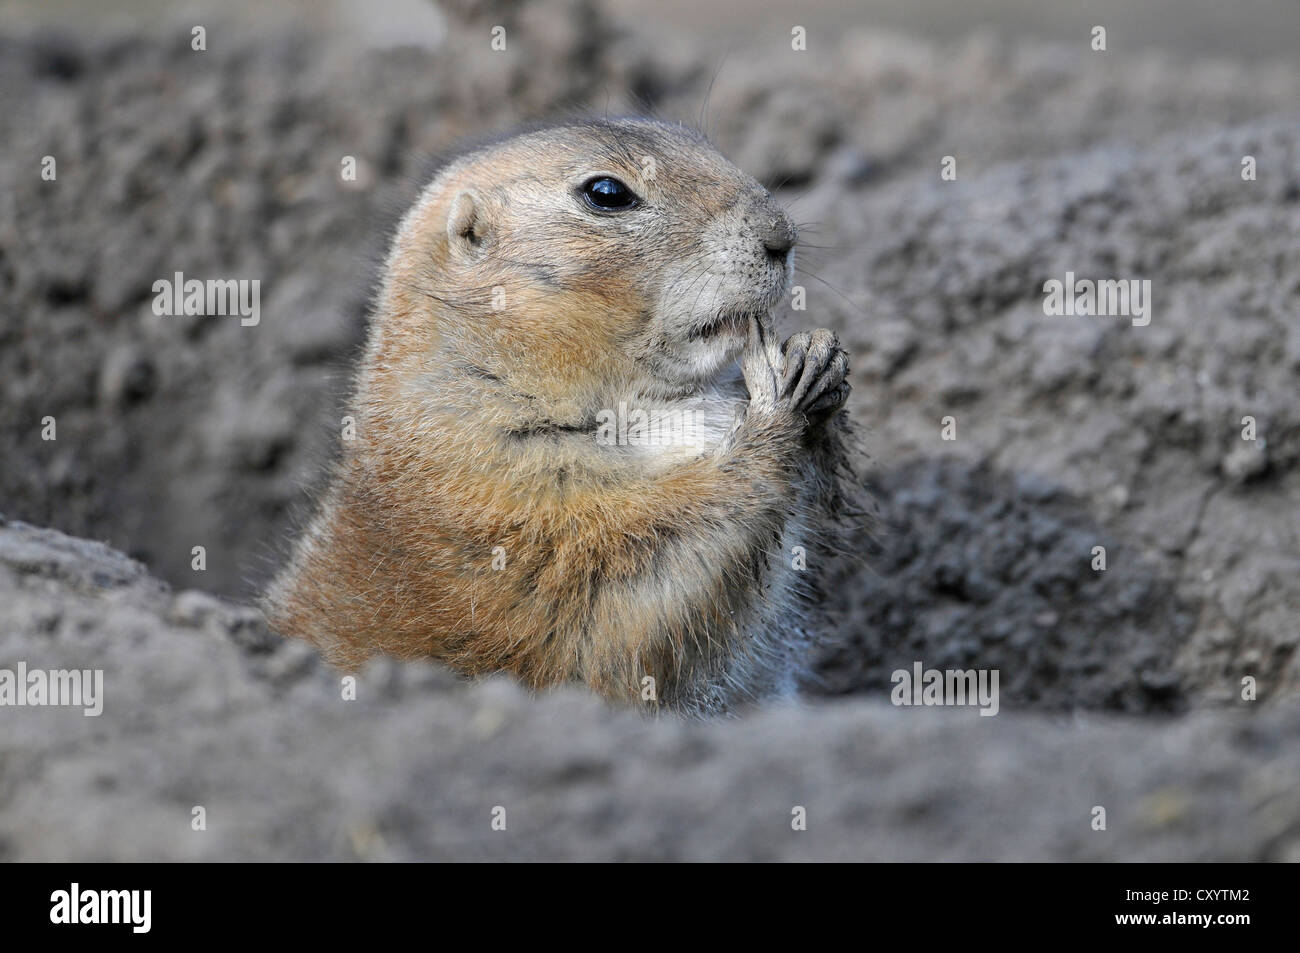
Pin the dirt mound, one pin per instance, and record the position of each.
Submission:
(203, 708)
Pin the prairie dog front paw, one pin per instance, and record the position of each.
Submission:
(814, 376)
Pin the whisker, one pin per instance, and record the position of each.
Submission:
(845, 298)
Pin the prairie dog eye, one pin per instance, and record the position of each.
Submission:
(608, 194)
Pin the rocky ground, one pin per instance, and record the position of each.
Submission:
(1120, 688)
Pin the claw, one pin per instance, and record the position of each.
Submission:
(796, 350)
(832, 376)
(830, 402)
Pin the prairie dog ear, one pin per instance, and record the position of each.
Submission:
(467, 224)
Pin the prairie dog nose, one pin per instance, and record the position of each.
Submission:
(778, 236)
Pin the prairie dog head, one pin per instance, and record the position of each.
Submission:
(592, 247)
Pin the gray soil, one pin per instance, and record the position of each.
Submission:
(1120, 688)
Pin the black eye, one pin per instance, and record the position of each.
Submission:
(609, 195)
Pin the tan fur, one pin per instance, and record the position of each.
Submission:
(476, 430)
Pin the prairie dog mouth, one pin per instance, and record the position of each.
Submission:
(732, 322)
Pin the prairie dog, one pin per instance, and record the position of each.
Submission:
(560, 468)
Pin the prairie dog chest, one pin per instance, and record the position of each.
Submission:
(670, 429)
